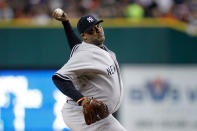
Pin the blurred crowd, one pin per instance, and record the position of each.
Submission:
(40, 10)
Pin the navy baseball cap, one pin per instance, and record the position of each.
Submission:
(86, 23)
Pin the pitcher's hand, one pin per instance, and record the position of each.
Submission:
(64, 16)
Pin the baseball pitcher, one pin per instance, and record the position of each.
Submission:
(90, 78)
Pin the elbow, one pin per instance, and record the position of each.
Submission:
(54, 78)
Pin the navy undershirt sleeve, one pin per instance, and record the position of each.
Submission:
(67, 88)
(71, 36)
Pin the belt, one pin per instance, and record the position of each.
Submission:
(72, 102)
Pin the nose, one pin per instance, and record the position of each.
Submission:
(98, 30)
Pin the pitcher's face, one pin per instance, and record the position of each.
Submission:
(95, 35)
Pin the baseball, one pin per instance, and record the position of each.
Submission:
(59, 12)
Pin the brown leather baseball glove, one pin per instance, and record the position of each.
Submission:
(94, 110)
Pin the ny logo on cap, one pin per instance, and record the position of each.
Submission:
(89, 19)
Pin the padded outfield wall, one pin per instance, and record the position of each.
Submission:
(46, 47)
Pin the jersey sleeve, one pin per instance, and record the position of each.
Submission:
(80, 62)
(71, 36)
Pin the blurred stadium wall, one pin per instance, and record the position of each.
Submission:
(158, 59)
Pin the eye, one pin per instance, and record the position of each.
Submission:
(90, 31)
(98, 26)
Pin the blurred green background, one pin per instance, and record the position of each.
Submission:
(144, 41)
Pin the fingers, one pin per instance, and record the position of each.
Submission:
(64, 17)
(55, 15)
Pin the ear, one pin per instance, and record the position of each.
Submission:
(83, 35)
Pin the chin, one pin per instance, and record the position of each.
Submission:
(102, 39)
(99, 41)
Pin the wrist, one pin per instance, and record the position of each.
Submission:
(65, 22)
(81, 100)
(65, 17)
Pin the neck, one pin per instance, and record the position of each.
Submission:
(99, 44)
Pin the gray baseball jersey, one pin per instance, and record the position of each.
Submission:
(95, 73)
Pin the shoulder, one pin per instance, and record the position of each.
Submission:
(90, 53)
(83, 48)
(74, 49)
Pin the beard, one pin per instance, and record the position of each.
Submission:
(99, 41)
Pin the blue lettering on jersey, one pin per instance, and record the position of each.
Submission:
(111, 70)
